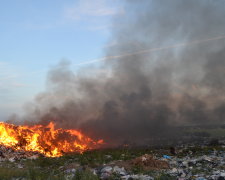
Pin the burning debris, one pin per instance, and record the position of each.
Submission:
(12, 155)
(45, 140)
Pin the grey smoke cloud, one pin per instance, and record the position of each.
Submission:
(144, 95)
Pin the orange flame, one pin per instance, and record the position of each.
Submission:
(45, 139)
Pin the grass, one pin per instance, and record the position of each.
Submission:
(163, 176)
(85, 175)
(6, 173)
(40, 174)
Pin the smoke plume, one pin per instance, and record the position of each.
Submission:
(144, 95)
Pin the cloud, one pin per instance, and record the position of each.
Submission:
(19, 85)
(3, 65)
(7, 72)
(9, 77)
(40, 26)
(100, 27)
(6, 87)
(89, 8)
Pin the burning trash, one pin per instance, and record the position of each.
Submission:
(46, 140)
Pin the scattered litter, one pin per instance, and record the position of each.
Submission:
(166, 157)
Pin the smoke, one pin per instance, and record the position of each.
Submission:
(144, 95)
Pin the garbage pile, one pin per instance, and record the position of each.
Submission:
(197, 162)
(123, 169)
(200, 167)
(191, 166)
(147, 162)
(9, 154)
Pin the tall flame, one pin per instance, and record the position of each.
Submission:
(45, 139)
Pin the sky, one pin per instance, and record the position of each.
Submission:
(36, 35)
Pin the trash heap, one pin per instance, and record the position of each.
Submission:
(191, 166)
(123, 169)
(197, 162)
(9, 154)
(199, 167)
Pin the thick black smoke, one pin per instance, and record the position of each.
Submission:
(145, 94)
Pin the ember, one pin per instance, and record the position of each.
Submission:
(45, 139)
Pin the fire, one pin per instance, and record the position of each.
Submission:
(45, 139)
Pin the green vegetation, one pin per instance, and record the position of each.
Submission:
(9, 173)
(165, 177)
(85, 175)
(40, 174)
